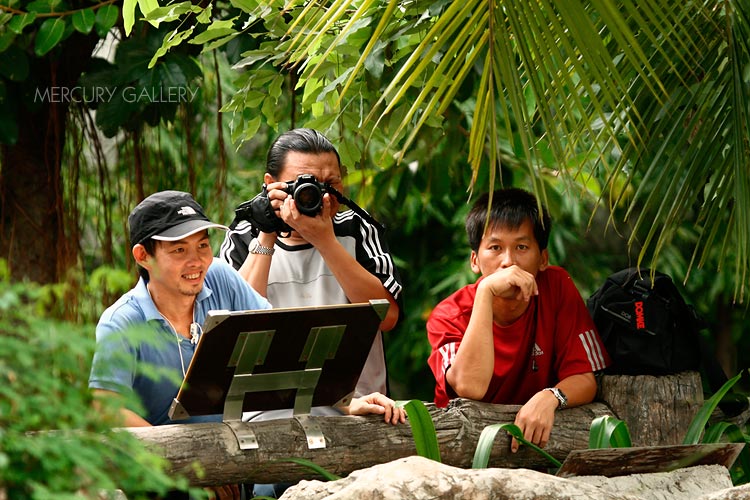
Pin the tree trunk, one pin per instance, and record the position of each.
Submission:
(657, 410)
(32, 206)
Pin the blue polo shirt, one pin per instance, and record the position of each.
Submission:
(138, 352)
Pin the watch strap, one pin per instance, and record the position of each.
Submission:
(562, 399)
(259, 249)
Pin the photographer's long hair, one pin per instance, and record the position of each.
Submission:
(299, 140)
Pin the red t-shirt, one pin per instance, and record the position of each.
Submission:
(553, 339)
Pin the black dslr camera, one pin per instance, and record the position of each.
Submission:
(308, 195)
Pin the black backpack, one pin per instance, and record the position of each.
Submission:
(646, 326)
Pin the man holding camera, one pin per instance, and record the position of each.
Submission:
(314, 256)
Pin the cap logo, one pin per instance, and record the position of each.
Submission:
(186, 211)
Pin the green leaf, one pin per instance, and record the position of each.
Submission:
(106, 17)
(6, 39)
(422, 429)
(172, 39)
(14, 65)
(247, 6)
(487, 440)
(330, 476)
(170, 13)
(716, 433)
(698, 424)
(19, 22)
(128, 15)
(41, 6)
(147, 6)
(219, 42)
(50, 33)
(83, 20)
(609, 432)
(212, 34)
(484, 446)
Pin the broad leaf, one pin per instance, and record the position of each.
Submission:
(19, 22)
(212, 34)
(422, 429)
(609, 432)
(6, 39)
(49, 35)
(83, 20)
(106, 17)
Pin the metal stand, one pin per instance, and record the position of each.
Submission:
(250, 350)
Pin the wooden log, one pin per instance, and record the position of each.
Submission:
(209, 454)
(657, 410)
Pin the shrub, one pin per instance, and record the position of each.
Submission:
(53, 446)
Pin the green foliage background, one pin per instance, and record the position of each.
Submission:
(415, 170)
(53, 445)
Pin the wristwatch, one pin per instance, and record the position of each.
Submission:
(562, 399)
(261, 250)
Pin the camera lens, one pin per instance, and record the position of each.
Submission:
(308, 198)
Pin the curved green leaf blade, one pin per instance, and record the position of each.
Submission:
(716, 433)
(50, 33)
(329, 476)
(128, 15)
(422, 429)
(83, 20)
(487, 439)
(698, 424)
(484, 446)
(609, 432)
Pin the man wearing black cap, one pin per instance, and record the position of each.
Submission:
(180, 282)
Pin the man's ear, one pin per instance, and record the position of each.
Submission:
(545, 260)
(268, 178)
(141, 256)
(474, 261)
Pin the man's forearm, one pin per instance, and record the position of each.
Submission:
(256, 268)
(579, 389)
(472, 368)
(358, 283)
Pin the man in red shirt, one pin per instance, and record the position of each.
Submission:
(521, 334)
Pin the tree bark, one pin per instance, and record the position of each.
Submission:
(657, 411)
(32, 206)
(353, 443)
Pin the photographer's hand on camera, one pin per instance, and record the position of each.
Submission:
(316, 230)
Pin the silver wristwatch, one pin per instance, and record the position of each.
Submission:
(261, 250)
(562, 399)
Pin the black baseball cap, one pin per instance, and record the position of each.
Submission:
(168, 216)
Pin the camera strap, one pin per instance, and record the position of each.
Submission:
(355, 208)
